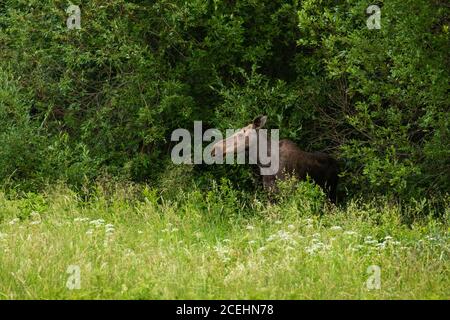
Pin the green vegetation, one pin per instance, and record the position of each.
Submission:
(130, 244)
(78, 104)
(85, 123)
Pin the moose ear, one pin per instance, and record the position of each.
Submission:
(259, 122)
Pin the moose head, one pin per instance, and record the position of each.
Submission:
(241, 140)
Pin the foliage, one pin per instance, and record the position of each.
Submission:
(391, 90)
(131, 243)
(103, 100)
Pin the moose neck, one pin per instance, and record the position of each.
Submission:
(265, 145)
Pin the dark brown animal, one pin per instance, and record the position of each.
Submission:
(320, 167)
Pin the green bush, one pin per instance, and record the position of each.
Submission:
(103, 100)
(22, 144)
(387, 89)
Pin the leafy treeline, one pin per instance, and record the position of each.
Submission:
(79, 104)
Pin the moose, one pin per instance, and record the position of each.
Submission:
(292, 161)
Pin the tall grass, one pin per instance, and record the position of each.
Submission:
(131, 243)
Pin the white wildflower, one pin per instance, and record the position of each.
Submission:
(14, 221)
(222, 252)
(35, 215)
(97, 223)
(198, 234)
(283, 235)
(109, 229)
(315, 247)
(381, 245)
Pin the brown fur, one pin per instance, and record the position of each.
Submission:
(322, 168)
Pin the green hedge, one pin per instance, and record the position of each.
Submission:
(78, 104)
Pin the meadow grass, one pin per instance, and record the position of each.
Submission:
(134, 244)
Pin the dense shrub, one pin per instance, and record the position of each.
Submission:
(22, 144)
(77, 104)
(389, 90)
